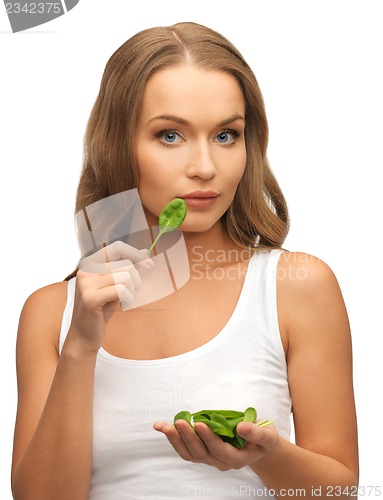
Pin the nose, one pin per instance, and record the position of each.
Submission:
(200, 162)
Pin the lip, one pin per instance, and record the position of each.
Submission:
(200, 194)
(200, 199)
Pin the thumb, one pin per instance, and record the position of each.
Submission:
(258, 436)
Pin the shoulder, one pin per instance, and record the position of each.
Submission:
(307, 291)
(302, 272)
(42, 312)
(48, 298)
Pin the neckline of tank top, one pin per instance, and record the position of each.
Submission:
(204, 348)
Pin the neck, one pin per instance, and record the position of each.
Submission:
(212, 249)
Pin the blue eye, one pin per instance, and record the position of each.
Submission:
(170, 137)
(227, 136)
(223, 137)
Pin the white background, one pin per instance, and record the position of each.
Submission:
(319, 67)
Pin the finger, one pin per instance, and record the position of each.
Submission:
(124, 278)
(135, 276)
(89, 266)
(125, 295)
(117, 265)
(120, 250)
(174, 439)
(129, 279)
(100, 267)
(266, 437)
(224, 452)
(96, 280)
(197, 447)
(108, 294)
(191, 440)
(117, 250)
(144, 264)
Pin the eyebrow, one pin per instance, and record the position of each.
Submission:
(182, 121)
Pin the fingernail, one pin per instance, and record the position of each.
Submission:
(125, 305)
(147, 264)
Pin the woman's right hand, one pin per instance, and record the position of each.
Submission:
(109, 275)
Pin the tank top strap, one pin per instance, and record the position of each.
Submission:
(68, 311)
(262, 271)
(261, 298)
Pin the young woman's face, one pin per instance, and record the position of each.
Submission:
(190, 143)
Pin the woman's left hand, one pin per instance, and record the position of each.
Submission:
(203, 446)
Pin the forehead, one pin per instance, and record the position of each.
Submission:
(192, 93)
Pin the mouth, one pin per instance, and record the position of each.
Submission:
(200, 199)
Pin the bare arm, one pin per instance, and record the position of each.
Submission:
(52, 445)
(314, 316)
(53, 434)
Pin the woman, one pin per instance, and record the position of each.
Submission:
(180, 114)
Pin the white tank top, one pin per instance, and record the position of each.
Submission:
(244, 365)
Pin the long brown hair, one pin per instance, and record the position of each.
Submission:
(258, 215)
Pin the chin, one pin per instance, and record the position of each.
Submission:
(198, 226)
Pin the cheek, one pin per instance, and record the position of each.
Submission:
(156, 165)
(154, 180)
(236, 168)
(149, 171)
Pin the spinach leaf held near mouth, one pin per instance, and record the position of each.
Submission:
(171, 217)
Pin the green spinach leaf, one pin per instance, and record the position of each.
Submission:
(171, 217)
(223, 422)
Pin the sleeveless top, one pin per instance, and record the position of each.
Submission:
(243, 365)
